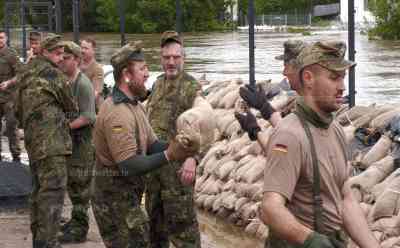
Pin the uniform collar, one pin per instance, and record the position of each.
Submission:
(311, 116)
(119, 97)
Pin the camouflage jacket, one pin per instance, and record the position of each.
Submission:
(168, 100)
(43, 101)
(9, 65)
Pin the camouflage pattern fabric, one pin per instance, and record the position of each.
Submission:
(43, 101)
(9, 65)
(116, 206)
(168, 202)
(292, 48)
(80, 164)
(49, 180)
(328, 54)
(7, 111)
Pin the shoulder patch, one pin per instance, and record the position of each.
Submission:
(117, 129)
(48, 74)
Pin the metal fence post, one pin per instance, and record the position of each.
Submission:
(23, 29)
(58, 13)
(7, 23)
(122, 21)
(178, 16)
(251, 17)
(352, 52)
(75, 19)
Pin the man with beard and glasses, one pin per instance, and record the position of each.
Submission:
(168, 203)
(80, 164)
(9, 66)
(127, 148)
(307, 200)
(44, 101)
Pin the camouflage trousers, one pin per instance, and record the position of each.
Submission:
(7, 111)
(79, 186)
(116, 206)
(171, 210)
(274, 242)
(49, 180)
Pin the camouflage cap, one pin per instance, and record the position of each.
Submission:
(51, 42)
(35, 35)
(130, 52)
(72, 48)
(328, 54)
(292, 49)
(169, 36)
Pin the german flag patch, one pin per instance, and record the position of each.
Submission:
(280, 148)
(117, 129)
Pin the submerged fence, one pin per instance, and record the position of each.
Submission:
(283, 20)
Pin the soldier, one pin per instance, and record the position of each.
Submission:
(34, 45)
(92, 69)
(126, 148)
(169, 205)
(307, 202)
(43, 102)
(80, 164)
(256, 98)
(9, 64)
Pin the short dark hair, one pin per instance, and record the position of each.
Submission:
(35, 35)
(90, 40)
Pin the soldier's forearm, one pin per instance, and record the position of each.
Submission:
(79, 123)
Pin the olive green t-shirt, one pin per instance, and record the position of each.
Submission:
(83, 93)
(289, 170)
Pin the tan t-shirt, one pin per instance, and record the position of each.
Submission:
(116, 130)
(289, 170)
(95, 73)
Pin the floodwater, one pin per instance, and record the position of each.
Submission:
(224, 55)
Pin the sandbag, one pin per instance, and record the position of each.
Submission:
(377, 152)
(228, 101)
(352, 114)
(226, 168)
(195, 127)
(387, 204)
(382, 120)
(208, 202)
(373, 175)
(378, 189)
(229, 201)
(256, 171)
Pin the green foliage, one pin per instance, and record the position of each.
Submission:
(320, 22)
(387, 14)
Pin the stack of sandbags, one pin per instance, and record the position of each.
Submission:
(230, 176)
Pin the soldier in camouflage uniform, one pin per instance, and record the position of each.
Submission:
(126, 148)
(9, 64)
(168, 203)
(44, 100)
(80, 164)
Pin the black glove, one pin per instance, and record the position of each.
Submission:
(256, 98)
(248, 123)
(317, 240)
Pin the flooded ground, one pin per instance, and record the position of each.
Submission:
(225, 55)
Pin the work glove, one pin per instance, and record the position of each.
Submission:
(317, 240)
(248, 123)
(256, 98)
(177, 152)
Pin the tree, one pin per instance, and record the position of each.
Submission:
(387, 13)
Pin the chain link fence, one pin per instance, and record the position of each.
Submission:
(283, 20)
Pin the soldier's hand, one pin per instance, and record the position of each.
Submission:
(317, 240)
(258, 99)
(188, 172)
(248, 123)
(177, 152)
(3, 85)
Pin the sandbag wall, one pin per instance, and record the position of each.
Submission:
(230, 176)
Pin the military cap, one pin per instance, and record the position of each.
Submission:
(169, 36)
(35, 35)
(51, 42)
(291, 49)
(328, 54)
(130, 52)
(72, 48)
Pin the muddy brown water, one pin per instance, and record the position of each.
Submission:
(225, 55)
